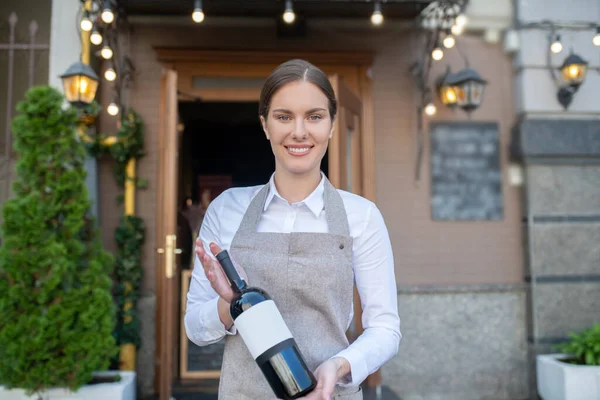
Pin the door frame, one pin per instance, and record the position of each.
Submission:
(352, 67)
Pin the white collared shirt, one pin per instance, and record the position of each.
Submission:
(372, 260)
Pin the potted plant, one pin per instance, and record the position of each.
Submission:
(572, 374)
(57, 314)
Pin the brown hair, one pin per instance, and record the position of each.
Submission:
(293, 71)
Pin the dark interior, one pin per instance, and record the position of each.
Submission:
(224, 138)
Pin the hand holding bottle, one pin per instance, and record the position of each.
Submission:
(214, 272)
(327, 375)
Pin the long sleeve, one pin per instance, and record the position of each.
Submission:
(202, 323)
(373, 262)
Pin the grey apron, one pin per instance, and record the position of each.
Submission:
(310, 278)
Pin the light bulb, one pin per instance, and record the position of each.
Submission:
(107, 15)
(556, 46)
(596, 38)
(110, 74)
(83, 86)
(289, 16)
(574, 71)
(198, 15)
(112, 109)
(449, 42)
(377, 18)
(96, 38)
(456, 29)
(437, 54)
(106, 53)
(461, 20)
(86, 24)
(430, 109)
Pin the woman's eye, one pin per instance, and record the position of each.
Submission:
(283, 118)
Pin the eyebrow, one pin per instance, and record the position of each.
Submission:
(312, 110)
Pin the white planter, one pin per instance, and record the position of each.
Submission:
(121, 390)
(562, 381)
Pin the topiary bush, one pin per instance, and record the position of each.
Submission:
(57, 314)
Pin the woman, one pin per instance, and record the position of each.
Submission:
(306, 244)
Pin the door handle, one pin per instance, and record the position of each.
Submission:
(169, 251)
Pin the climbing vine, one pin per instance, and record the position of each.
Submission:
(125, 145)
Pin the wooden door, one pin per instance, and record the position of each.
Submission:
(346, 169)
(166, 245)
(345, 159)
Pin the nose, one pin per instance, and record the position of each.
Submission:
(299, 132)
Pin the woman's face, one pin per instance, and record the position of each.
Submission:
(299, 127)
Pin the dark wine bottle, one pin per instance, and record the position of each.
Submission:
(267, 337)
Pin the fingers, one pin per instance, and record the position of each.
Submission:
(214, 248)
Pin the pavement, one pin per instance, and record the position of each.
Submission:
(368, 394)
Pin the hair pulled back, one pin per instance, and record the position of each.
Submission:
(294, 71)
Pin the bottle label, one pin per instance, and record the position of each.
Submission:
(262, 327)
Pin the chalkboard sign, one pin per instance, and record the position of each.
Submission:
(466, 182)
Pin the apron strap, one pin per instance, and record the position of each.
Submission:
(337, 219)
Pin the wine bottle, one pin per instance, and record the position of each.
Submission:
(267, 336)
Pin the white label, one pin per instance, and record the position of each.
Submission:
(262, 327)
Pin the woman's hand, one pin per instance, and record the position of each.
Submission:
(327, 375)
(213, 271)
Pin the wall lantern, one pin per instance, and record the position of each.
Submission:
(572, 74)
(574, 70)
(80, 83)
(463, 89)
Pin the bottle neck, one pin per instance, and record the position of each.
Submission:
(237, 283)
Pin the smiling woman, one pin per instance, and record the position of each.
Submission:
(304, 242)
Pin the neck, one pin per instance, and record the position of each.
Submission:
(295, 188)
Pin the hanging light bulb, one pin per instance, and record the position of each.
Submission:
(596, 39)
(461, 20)
(430, 109)
(198, 14)
(106, 53)
(377, 16)
(449, 41)
(437, 54)
(96, 37)
(110, 74)
(107, 14)
(457, 29)
(112, 109)
(289, 16)
(86, 24)
(556, 46)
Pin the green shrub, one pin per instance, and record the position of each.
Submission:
(584, 347)
(56, 309)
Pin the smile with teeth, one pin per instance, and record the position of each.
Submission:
(298, 150)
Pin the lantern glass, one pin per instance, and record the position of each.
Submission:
(448, 95)
(476, 90)
(574, 74)
(80, 89)
(469, 94)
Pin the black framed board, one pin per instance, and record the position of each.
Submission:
(466, 179)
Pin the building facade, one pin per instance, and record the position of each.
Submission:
(479, 295)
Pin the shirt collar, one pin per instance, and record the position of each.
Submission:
(314, 201)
